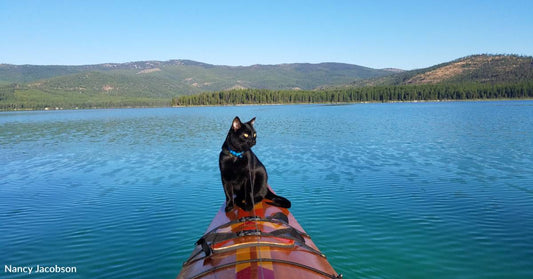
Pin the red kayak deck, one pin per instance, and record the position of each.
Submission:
(266, 242)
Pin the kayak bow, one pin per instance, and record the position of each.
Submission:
(266, 242)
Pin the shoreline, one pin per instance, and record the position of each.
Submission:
(273, 104)
(368, 102)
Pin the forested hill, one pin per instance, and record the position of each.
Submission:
(184, 76)
(469, 78)
(485, 68)
(156, 83)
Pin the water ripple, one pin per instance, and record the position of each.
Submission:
(385, 190)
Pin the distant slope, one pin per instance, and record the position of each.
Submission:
(475, 68)
(155, 83)
(182, 77)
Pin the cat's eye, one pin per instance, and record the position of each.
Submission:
(245, 135)
(255, 135)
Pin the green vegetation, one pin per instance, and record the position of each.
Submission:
(155, 83)
(470, 78)
(15, 97)
(189, 77)
(471, 91)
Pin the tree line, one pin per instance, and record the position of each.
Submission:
(398, 93)
(13, 97)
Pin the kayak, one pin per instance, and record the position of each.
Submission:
(266, 242)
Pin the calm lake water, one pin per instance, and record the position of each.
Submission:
(413, 190)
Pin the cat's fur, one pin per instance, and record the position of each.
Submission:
(243, 176)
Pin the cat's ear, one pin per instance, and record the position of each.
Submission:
(236, 125)
(252, 121)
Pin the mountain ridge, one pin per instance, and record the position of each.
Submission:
(155, 83)
(28, 73)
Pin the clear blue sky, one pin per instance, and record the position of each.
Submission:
(377, 34)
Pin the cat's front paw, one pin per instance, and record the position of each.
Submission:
(229, 207)
(248, 206)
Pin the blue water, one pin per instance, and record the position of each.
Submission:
(411, 190)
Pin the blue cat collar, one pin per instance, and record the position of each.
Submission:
(236, 154)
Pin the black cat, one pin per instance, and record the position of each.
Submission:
(243, 176)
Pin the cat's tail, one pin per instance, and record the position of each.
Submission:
(278, 201)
